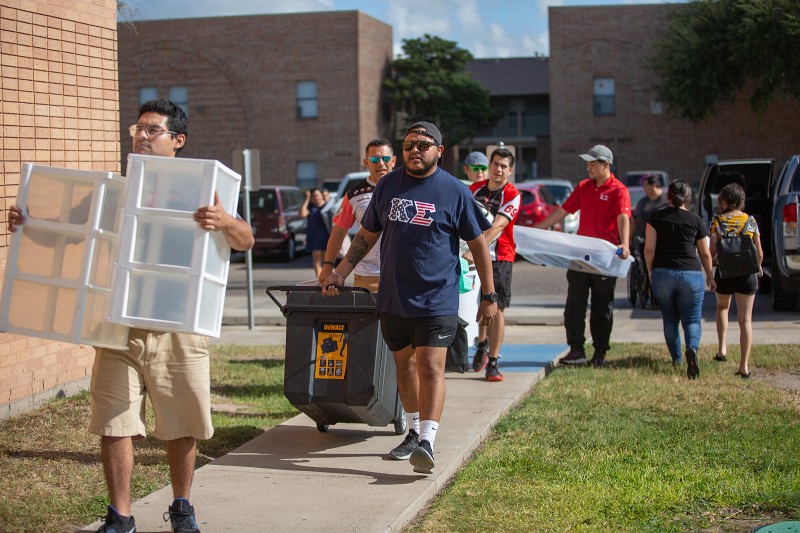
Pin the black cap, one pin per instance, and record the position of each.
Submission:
(428, 129)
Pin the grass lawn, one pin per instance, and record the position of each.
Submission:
(632, 447)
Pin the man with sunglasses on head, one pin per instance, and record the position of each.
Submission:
(379, 161)
(476, 166)
(419, 212)
(172, 369)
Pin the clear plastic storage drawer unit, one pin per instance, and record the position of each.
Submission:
(60, 266)
(172, 274)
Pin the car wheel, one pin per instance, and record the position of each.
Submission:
(290, 251)
(781, 300)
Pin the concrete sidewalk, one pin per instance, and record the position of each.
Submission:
(295, 478)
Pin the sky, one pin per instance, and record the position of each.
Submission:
(487, 28)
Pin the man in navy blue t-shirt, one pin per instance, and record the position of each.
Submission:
(420, 212)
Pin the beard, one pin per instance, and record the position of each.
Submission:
(424, 170)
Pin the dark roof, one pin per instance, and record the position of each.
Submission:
(513, 75)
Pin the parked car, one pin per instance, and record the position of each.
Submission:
(633, 178)
(637, 193)
(772, 199)
(536, 204)
(275, 217)
(560, 191)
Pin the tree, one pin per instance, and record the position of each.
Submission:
(713, 49)
(429, 83)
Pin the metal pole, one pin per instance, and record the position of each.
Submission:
(248, 258)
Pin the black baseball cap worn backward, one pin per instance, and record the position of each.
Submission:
(427, 129)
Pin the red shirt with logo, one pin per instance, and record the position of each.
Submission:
(502, 202)
(600, 207)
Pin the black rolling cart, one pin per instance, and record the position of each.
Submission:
(338, 368)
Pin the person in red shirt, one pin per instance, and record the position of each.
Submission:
(605, 206)
(502, 200)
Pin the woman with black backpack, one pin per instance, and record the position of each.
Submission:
(734, 225)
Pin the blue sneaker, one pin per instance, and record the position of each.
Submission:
(181, 517)
(422, 458)
(116, 523)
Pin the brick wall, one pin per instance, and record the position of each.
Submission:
(616, 42)
(241, 74)
(58, 92)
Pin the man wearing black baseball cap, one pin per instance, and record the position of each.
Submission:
(605, 205)
(420, 212)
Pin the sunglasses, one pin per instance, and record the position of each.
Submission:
(376, 158)
(478, 168)
(422, 146)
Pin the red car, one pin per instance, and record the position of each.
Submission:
(537, 203)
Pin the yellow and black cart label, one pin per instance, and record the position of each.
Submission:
(332, 341)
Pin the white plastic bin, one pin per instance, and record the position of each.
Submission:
(60, 267)
(172, 274)
(572, 252)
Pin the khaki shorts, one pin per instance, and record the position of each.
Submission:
(171, 368)
(367, 282)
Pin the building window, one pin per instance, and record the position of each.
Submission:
(604, 96)
(147, 93)
(180, 96)
(306, 99)
(307, 174)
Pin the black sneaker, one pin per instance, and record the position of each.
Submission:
(692, 369)
(598, 360)
(422, 458)
(574, 357)
(116, 523)
(181, 517)
(492, 372)
(409, 444)
(481, 356)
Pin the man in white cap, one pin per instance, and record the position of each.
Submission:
(476, 166)
(605, 205)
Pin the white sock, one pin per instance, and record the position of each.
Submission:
(412, 419)
(428, 433)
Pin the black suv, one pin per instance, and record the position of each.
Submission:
(772, 199)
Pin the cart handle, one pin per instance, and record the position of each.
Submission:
(300, 288)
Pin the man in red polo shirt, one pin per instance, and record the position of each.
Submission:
(605, 206)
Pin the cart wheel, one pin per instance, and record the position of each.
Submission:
(400, 423)
(322, 428)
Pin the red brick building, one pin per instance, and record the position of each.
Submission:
(58, 75)
(600, 93)
(304, 89)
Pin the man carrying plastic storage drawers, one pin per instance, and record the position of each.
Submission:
(605, 205)
(419, 212)
(171, 368)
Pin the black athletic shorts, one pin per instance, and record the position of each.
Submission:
(740, 285)
(501, 271)
(436, 331)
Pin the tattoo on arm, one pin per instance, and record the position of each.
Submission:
(358, 249)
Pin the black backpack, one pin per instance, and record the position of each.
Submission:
(458, 354)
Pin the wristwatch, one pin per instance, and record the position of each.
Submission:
(491, 297)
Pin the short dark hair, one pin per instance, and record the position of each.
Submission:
(679, 194)
(503, 153)
(652, 179)
(177, 120)
(731, 197)
(378, 143)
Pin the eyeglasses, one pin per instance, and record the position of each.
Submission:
(150, 130)
(422, 146)
(478, 168)
(376, 158)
